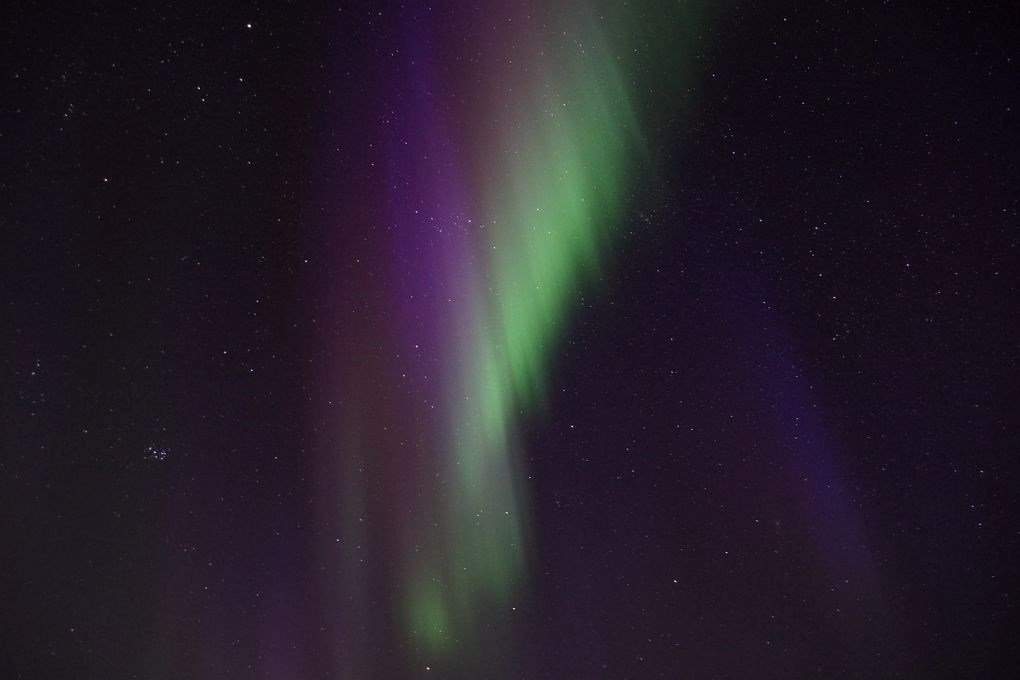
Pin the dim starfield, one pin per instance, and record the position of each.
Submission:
(509, 340)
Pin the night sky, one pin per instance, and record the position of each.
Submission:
(513, 340)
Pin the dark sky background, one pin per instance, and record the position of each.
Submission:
(781, 437)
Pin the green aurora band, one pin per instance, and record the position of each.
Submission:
(556, 171)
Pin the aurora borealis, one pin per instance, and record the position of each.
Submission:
(554, 159)
(508, 340)
(511, 213)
